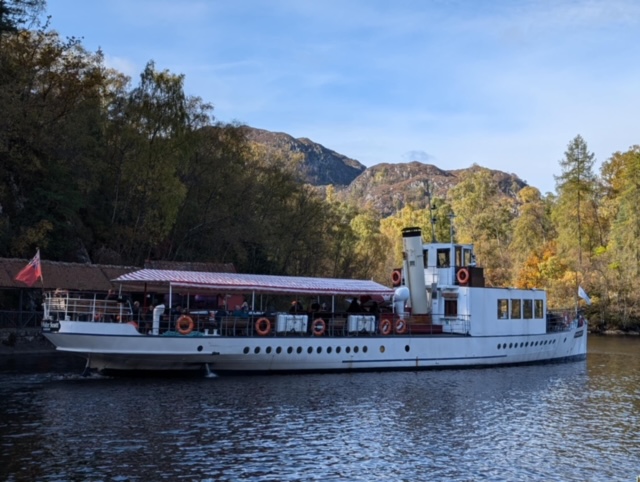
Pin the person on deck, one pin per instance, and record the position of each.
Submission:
(296, 307)
(354, 306)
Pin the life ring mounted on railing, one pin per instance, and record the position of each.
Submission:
(318, 327)
(385, 326)
(184, 325)
(263, 326)
(463, 276)
(401, 326)
(396, 277)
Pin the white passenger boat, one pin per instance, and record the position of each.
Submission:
(439, 314)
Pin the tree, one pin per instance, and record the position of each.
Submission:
(49, 134)
(16, 13)
(532, 230)
(483, 216)
(576, 215)
(622, 182)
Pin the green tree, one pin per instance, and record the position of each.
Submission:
(49, 134)
(576, 213)
(622, 181)
(483, 216)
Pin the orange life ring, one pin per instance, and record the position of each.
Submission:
(263, 326)
(318, 327)
(184, 325)
(463, 276)
(385, 326)
(396, 277)
(401, 326)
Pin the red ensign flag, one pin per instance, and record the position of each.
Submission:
(31, 272)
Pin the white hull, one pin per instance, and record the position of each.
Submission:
(136, 352)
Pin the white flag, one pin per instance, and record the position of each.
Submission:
(582, 294)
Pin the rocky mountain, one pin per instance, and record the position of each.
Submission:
(389, 187)
(321, 166)
(385, 187)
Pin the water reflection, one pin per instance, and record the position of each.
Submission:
(575, 421)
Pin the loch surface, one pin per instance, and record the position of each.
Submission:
(566, 422)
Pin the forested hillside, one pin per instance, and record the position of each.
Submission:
(97, 167)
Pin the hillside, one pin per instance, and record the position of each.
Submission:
(389, 187)
(386, 187)
(321, 166)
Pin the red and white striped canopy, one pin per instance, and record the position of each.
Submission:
(255, 283)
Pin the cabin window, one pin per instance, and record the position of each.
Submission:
(443, 258)
(503, 309)
(425, 257)
(450, 307)
(467, 256)
(516, 309)
(458, 256)
(527, 309)
(539, 309)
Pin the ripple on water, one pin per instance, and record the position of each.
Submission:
(575, 421)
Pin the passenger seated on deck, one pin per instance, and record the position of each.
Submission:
(296, 307)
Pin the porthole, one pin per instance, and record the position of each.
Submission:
(499, 346)
(319, 349)
(310, 350)
(337, 349)
(299, 350)
(365, 349)
(382, 348)
(521, 344)
(268, 350)
(279, 350)
(526, 344)
(329, 349)
(348, 349)
(246, 350)
(407, 348)
(355, 349)
(199, 347)
(256, 350)
(290, 350)
(510, 345)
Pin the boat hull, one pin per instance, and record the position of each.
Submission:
(128, 353)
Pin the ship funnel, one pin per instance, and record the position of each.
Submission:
(414, 264)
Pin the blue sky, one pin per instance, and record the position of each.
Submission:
(504, 84)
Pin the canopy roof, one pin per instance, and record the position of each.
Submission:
(255, 283)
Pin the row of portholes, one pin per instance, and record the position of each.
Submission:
(525, 344)
(278, 350)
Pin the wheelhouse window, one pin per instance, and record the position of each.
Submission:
(443, 258)
(516, 309)
(503, 309)
(425, 257)
(527, 309)
(539, 313)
